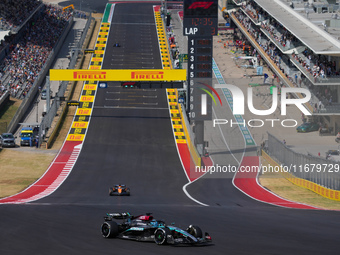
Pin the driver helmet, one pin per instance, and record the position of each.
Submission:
(154, 223)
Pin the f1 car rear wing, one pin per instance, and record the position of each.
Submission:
(118, 216)
(124, 215)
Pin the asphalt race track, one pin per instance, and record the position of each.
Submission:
(130, 141)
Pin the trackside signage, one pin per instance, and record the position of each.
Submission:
(118, 75)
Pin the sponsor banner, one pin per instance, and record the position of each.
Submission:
(177, 126)
(95, 55)
(85, 104)
(79, 124)
(191, 146)
(88, 92)
(174, 111)
(78, 131)
(162, 42)
(90, 87)
(73, 103)
(118, 75)
(88, 51)
(179, 133)
(82, 118)
(94, 67)
(96, 63)
(85, 111)
(181, 141)
(75, 137)
(86, 99)
(97, 59)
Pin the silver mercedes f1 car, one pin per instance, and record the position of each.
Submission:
(146, 228)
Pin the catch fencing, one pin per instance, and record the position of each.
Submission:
(312, 168)
(47, 120)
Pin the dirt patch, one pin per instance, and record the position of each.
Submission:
(20, 169)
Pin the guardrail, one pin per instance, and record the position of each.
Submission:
(323, 172)
(322, 191)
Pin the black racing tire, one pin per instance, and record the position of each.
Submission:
(195, 231)
(111, 191)
(109, 229)
(128, 192)
(161, 235)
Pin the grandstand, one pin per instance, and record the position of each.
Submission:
(15, 13)
(24, 55)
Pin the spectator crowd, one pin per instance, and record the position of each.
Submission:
(316, 65)
(319, 66)
(270, 49)
(14, 12)
(26, 57)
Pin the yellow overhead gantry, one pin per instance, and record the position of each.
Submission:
(118, 75)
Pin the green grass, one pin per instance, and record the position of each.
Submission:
(284, 188)
(7, 113)
(20, 168)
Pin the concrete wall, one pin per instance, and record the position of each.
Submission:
(4, 99)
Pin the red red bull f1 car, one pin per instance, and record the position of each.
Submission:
(146, 228)
(119, 190)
